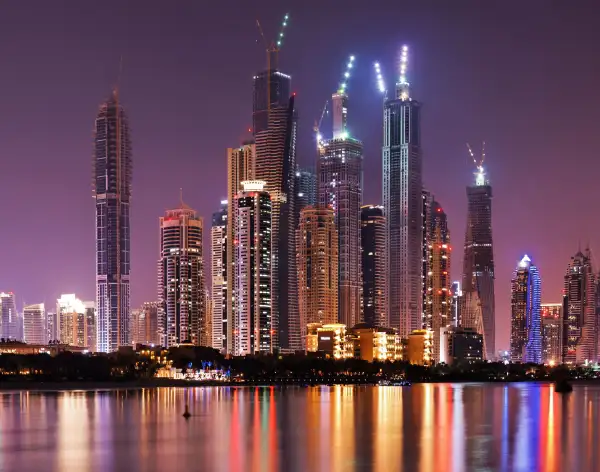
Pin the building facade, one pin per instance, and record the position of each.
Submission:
(76, 322)
(374, 277)
(112, 166)
(218, 269)
(182, 310)
(11, 322)
(306, 190)
(580, 321)
(526, 321)
(317, 252)
(272, 89)
(402, 202)
(34, 324)
(145, 322)
(478, 268)
(551, 333)
(461, 345)
(255, 332)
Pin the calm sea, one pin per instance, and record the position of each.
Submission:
(428, 427)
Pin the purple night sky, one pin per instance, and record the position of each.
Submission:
(523, 77)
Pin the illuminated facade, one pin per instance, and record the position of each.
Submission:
(182, 310)
(419, 348)
(112, 165)
(456, 303)
(317, 253)
(340, 187)
(460, 345)
(77, 322)
(373, 253)
(34, 324)
(145, 324)
(438, 299)
(219, 272)
(254, 331)
(276, 165)
(402, 202)
(580, 321)
(306, 190)
(240, 167)
(375, 344)
(331, 339)
(551, 333)
(526, 322)
(478, 268)
(11, 323)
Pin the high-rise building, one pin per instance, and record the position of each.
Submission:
(374, 278)
(145, 321)
(427, 199)
(456, 303)
(551, 333)
(181, 279)
(526, 320)
(306, 190)
(276, 165)
(340, 176)
(580, 322)
(34, 324)
(438, 300)
(317, 250)
(272, 89)
(254, 331)
(53, 326)
(76, 321)
(402, 202)
(478, 268)
(219, 273)
(112, 191)
(11, 323)
(240, 168)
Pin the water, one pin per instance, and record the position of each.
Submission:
(430, 427)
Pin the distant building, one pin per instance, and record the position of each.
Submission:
(580, 321)
(182, 315)
(551, 333)
(526, 322)
(306, 190)
(317, 262)
(374, 277)
(52, 326)
(77, 324)
(330, 339)
(148, 324)
(461, 345)
(219, 272)
(254, 329)
(11, 322)
(419, 348)
(456, 303)
(34, 324)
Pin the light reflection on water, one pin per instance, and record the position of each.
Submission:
(429, 427)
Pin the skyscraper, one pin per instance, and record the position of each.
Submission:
(374, 277)
(306, 190)
(340, 187)
(90, 328)
(218, 265)
(53, 325)
(254, 330)
(76, 322)
(34, 324)
(146, 322)
(580, 322)
(276, 165)
(456, 303)
(269, 83)
(526, 321)
(551, 333)
(112, 191)
(240, 167)
(317, 250)
(181, 279)
(438, 308)
(402, 202)
(478, 268)
(11, 323)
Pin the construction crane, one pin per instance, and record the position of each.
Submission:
(339, 104)
(317, 127)
(272, 48)
(480, 171)
(379, 76)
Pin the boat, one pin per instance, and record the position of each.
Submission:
(394, 383)
(563, 386)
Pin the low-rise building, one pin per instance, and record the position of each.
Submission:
(419, 347)
(460, 345)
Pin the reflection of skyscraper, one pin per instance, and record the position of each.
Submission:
(438, 301)
(402, 201)
(254, 331)
(34, 324)
(181, 279)
(218, 264)
(551, 333)
(11, 323)
(340, 187)
(526, 322)
(112, 192)
(317, 243)
(478, 269)
(373, 266)
(276, 165)
(580, 321)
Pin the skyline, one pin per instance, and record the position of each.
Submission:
(27, 130)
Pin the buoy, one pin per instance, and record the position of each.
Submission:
(186, 413)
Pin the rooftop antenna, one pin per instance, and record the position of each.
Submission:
(181, 196)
